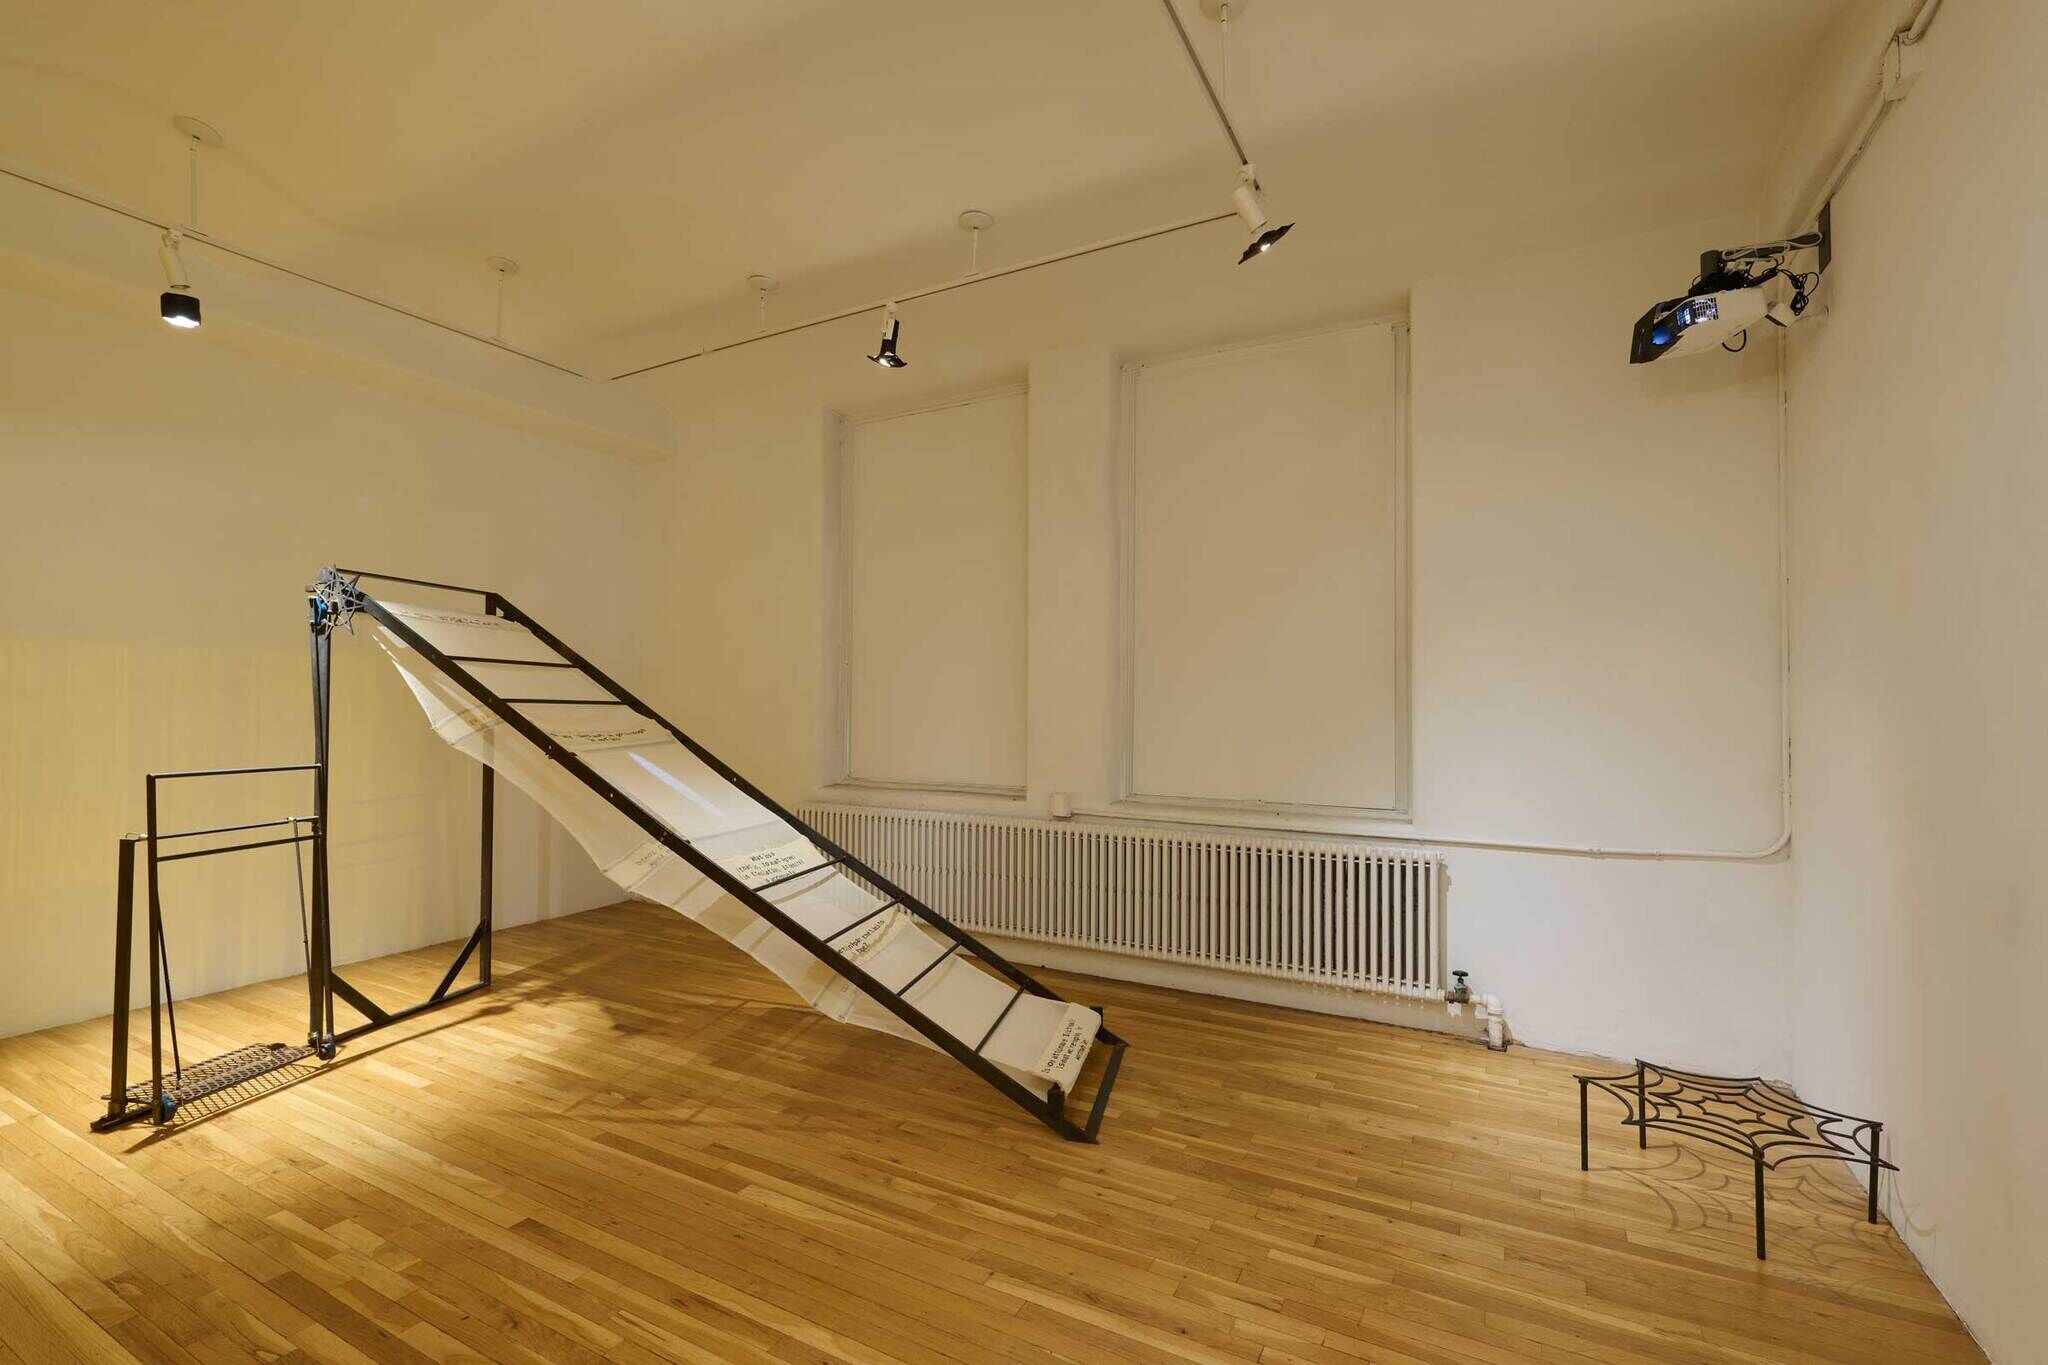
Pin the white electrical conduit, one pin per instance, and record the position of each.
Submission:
(1907, 35)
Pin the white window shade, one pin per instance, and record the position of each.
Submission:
(933, 597)
(1265, 563)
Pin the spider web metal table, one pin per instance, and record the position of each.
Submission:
(1746, 1115)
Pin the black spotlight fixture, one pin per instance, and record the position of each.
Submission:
(1252, 209)
(885, 355)
(179, 309)
(1263, 243)
(178, 304)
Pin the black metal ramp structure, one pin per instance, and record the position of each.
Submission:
(665, 819)
(670, 822)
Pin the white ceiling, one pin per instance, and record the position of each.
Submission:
(641, 157)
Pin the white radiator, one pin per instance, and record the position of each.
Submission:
(1337, 913)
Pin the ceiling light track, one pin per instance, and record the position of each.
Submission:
(1187, 45)
(1246, 199)
(911, 295)
(215, 244)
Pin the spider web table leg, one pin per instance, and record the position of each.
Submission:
(1876, 1136)
(1760, 1208)
(1642, 1107)
(1582, 1125)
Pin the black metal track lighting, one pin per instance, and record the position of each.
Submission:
(178, 305)
(885, 355)
(1252, 209)
(179, 309)
(1264, 242)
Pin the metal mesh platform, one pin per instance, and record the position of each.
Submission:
(216, 1074)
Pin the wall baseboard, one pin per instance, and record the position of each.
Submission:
(1380, 1009)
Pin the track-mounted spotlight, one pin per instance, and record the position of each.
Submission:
(885, 355)
(178, 304)
(180, 310)
(1252, 209)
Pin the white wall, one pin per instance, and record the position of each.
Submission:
(1596, 561)
(1919, 439)
(1596, 624)
(931, 596)
(742, 661)
(1265, 501)
(164, 497)
(1596, 647)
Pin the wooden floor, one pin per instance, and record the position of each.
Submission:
(634, 1148)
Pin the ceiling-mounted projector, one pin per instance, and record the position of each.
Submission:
(1727, 298)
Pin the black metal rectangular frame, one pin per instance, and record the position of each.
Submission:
(160, 1101)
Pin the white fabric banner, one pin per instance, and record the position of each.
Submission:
(1039, 1042)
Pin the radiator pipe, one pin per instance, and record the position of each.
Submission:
(1493, 1022)
(1486, 1010)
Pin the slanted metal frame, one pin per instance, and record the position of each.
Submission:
(341, 591)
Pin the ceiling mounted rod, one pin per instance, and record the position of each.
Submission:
(215, 244)
(1187, 45)
(963, 282)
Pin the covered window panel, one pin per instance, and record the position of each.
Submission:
(1266, 637)
(933, 554)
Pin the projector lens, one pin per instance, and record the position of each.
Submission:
(1660, 336)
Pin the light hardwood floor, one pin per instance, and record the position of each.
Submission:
(635, 1148)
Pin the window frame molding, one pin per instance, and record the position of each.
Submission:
(1126, 799)
(840, 782)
